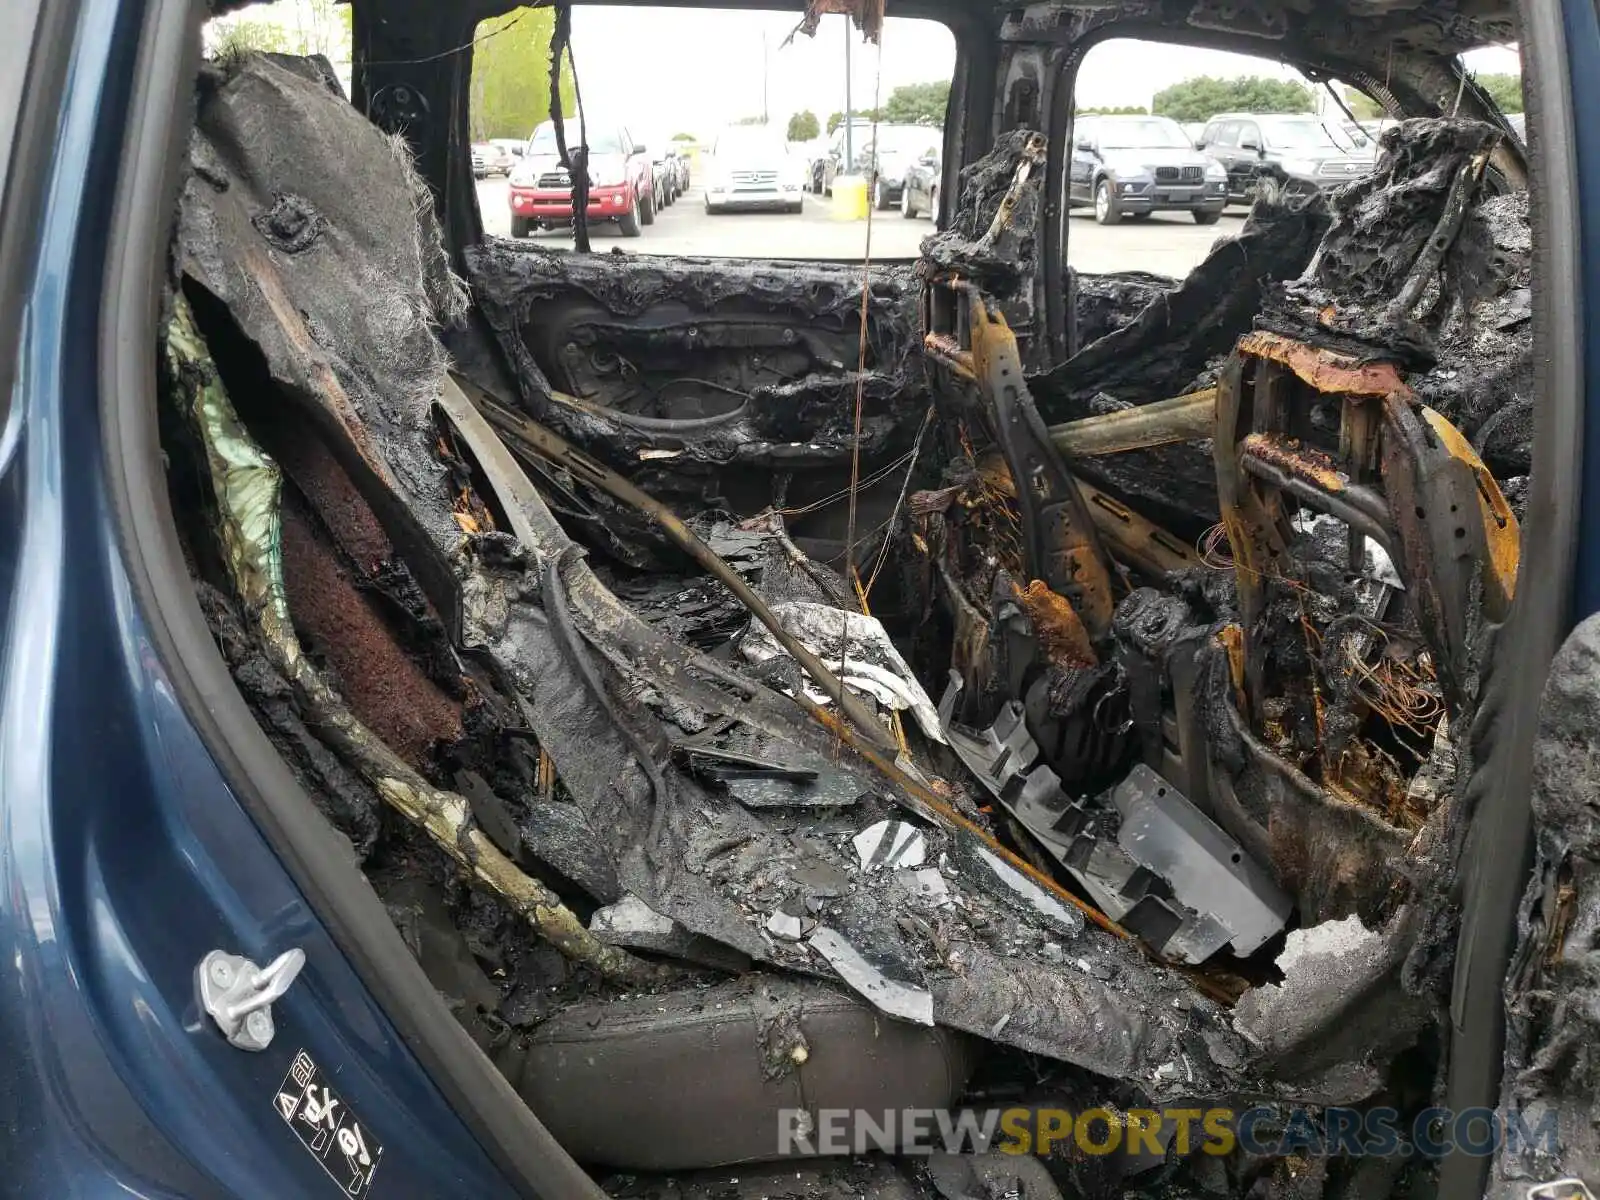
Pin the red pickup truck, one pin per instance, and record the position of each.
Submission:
(620, 184)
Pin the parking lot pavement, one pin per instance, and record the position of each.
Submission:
(686, 228)
(1167, 244)
(1163, 243)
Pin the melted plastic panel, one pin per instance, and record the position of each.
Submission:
(679, 338)
(1550, 990)
(686, 373)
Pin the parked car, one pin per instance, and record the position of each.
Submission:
(493, 157)
(919, 191)
(752, 167)
(1135, 166)
(498, 156)
(1357, 137)
(512, 149)
(1303, 152)
(888, 152)
(621, 180)
(812, 152)
(682, 157)
(664, 177)
(831, 161)
(677, 168)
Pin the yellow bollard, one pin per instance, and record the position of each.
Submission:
(849, 198)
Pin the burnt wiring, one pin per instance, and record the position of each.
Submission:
(861, 376)
(843, 493)
(1211, 547)
(1333, 92)
(894, 514)
(1402, 690)
(712, 384)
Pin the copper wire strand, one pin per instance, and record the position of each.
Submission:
(1005, 544)
(1401, 693)
(1210, 548)
(861, 380)
(894, 515)
(843, 493)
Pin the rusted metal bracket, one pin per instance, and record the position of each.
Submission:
(1181, 419)
(946, 335)
(1133, 539)
(1129, 538)
(1400, 474)
(1060, 543)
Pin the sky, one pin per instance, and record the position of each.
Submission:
(709, 65)
(672, 70)
(715, 64)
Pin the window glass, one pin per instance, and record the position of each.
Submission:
(1148, 101)
(1148, 133)
(603, 139)
(1309, 133)
(741, 154)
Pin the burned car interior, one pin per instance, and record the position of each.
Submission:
(937, 684)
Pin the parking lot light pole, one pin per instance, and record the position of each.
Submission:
(849, 149)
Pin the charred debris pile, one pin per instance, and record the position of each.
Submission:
(1151, 786)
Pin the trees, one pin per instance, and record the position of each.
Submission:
(1125, 110)
(1201, 98)
(1364, 106)
(918, 103)
(863, 114)
(511, 75)
(803, 127)
(1504, 90)
(287, 27)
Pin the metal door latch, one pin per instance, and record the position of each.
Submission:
(238, 994)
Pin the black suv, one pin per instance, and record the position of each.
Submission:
(1303, 153)
(1134, 166)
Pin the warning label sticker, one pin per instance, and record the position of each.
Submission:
(326, 1127)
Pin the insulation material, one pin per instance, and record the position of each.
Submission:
(870, 663)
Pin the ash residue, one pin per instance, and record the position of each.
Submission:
(1484, 379)
(1173, 339)
(995, 256)
(1383, 232)
(1553, 992)
(1106, 303)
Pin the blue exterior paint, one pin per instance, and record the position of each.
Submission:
(1582, 24)
(123, 855)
